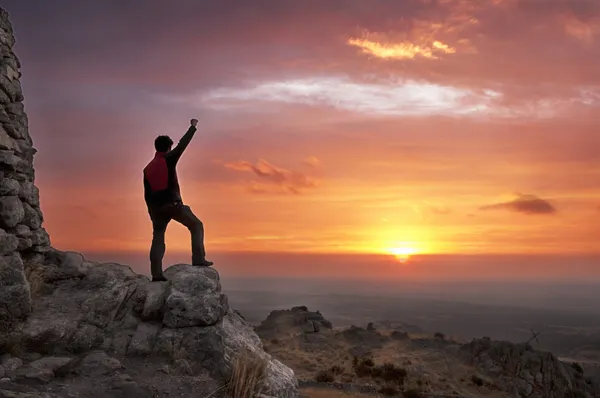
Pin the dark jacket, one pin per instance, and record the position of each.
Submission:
(160, 175)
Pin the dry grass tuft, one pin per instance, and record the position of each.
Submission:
(249, 372)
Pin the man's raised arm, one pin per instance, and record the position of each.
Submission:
(176, 152)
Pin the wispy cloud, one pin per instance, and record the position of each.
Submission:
(395, 98)
(287, 181)
(524, 203)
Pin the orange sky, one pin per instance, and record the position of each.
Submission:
(448, 126)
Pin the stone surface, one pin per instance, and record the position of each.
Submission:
(296, 320)
(535, 374)
(92, 306)
(19, 197)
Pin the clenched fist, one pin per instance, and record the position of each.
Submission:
(194, 122)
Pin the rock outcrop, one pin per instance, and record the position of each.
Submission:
(83, 306)
(21, 231)
(525, 372)
(289, 322)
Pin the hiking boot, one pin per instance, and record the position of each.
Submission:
(203, 263)
(160, 278)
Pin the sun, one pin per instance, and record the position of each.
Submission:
(403, 253)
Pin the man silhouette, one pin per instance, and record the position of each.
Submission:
(163, 198)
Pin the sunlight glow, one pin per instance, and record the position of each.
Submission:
(403, 253)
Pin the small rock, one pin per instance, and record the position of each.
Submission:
(39, 375)
(51, 363)
(99, 363)
(12, 364)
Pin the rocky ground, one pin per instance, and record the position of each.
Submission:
(144, 339)
(354, 360)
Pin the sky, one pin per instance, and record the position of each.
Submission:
(417, 127)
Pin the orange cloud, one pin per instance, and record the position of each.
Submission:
(287, 181)
(401, 50)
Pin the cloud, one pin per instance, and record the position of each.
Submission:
(287, 181)
(312, 161)
(410, 98)
(524, 203)
(586, 31)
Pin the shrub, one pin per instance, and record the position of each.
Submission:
(325, 376)
(439, 336)
(363, 367)
(249, 372)
(391, 373)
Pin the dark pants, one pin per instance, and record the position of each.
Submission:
(160, 219)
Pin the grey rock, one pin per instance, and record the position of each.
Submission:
(31, 217)
(11, 211)
(6, 142)
(12, 364)
(29, 193)
(142, 342)
(22, 230)
(98, 363)
(536, 374)
(194, 297)
(108, 301)
(9, 187)
(11, 270)
(296, 320)
(43, 369)
(155, 295)
(40, 237)
(8, 243)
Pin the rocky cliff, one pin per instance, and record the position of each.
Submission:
(60, 313)
(21, 231)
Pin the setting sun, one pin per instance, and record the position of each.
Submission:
(403, 253)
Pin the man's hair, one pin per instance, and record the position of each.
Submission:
(162, 143)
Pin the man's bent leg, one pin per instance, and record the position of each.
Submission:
(157, 250)
(185, 216)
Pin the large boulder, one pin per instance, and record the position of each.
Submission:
(290, 322)
(107, 306)
(519, 369)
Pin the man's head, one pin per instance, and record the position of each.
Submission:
(163, 143)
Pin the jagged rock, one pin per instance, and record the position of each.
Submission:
(105, 307)
(8, 243)
(183, 307)
(12, 364)
(15, 297)
(98, 363)
(535, 374)
(287, 322)
(11, 211)
(9, 187)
